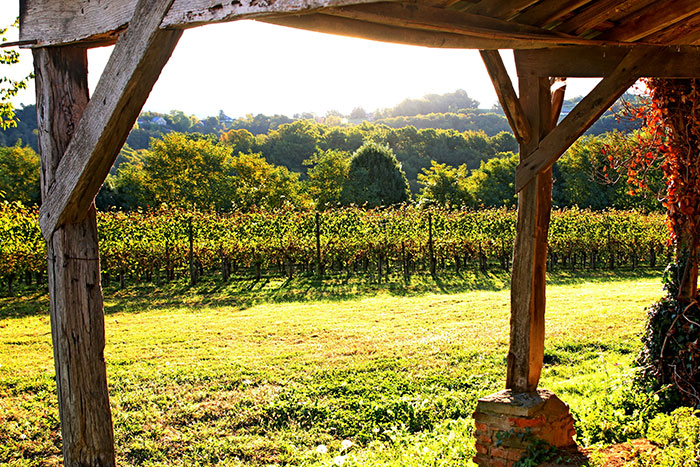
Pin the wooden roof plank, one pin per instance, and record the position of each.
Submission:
(411, 15)
(504, 9)
(549, 11)
(598, 12)
(581, 117)
(686, 32)
(653, 18)
(394, 34)
(132, 70)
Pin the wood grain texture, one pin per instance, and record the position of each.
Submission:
(394, 34)
(506, 95)
(653, 18)
(526, 351)
(580, 118)
(98, 22)
(76, 310)
(503, 9)
(132, 70)
(416, 16)
(597, 62)
(545, 12)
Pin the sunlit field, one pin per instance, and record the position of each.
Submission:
(319, 373)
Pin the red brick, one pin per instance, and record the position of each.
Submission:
(481, 460)
(499, 452)
(498, 463)
(515, 454)
(484, 439)
(482, 449)
(481, 426)
(527, 422)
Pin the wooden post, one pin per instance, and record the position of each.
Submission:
(77, 315)
(526, 351)
(317, 232)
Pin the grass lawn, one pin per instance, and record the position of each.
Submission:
(281, 373)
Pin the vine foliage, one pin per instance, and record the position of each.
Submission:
(670, 358)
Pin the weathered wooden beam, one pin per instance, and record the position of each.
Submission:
(416, 16)
(598, 12)
(580, 118)
(52, 22)
(688, 32)
(75, 294)
(394, 34)
(132, 70)
(558, 90)
(526, 351)
(597, 62)
(506, 95)
(503, 9)
(653, 18)
(545, 12)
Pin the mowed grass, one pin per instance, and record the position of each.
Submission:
(282, 373)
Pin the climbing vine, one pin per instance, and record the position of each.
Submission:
(670, 359)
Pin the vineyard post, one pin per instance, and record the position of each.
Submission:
(193, 269)
(319, 267)
(431, 250)
(75, 292)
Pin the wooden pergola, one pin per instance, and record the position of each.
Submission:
(81, 135)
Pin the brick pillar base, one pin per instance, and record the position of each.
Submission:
(507, 423)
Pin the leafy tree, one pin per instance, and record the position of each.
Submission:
(9, 87)
(431, 103)
(375, 178)
(19, 175)
(257, 183)
(504, 142)
(127, 188)
(443, 185)
(291, 144)
(239, 140)
(358, 113)
(493, 184)
(188, 170)
(327, 176)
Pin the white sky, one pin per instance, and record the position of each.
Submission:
(250, 67)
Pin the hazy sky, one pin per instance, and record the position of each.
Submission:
(250, 67)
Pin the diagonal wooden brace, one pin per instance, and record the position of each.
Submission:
(506, 95)
(133, 68)
(581, 117)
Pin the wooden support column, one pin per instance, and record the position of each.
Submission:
(526, 351)
(77, 316)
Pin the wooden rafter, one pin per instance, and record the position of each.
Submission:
(597, 13)
(379, 32)
(415, 16)
(506, 95)
(687, 32)
(653, 18)
(128, 78)
(549, 11)
(504, 9)
(581, 118)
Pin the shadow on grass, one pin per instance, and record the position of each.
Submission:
(244, 292)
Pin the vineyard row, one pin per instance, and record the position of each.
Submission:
(164, 244)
